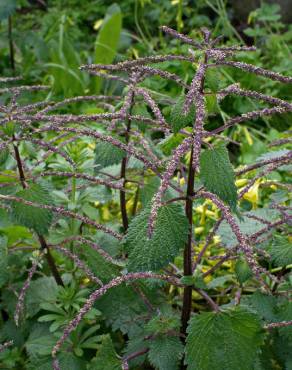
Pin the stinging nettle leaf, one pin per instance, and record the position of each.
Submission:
(169, 237)
(227, 340)
(281, 250)
(217, 174)
(34, 218)
(165, 352)
(178, 119)
(107, 154)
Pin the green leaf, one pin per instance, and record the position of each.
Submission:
(178, 119)
(7, 8)
(40, 291)
(242, 270)
(34, 218)
(40, 341)
(3, 156)
(217, 174)
(212, 79)
(227, 340)
(281, 250)
(165, 352)
(247, 225)
(106, 358)
(107, 40)
(107, 154)
(3, 260)
(170, 235)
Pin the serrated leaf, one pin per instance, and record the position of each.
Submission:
(217, 174)
(165, 352)
(106, 358)
(227, 340)
(170, 235)
(120, 307)
(263, 304)
(212, 79)
(242, 270)
(34, 218)
(178, 119)
(107, 154)
(281, 250)
(247, 225)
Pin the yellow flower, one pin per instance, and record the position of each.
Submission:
(241, 182)
(253, 194)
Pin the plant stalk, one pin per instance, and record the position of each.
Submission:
(187, 296)
(42, 240)
(11, 48)
(123, 205)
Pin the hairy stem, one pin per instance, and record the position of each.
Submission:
(125, 219)
(187, 297)
(41, 238)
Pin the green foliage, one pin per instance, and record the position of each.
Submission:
(32, 217)
(106, 358)
(165, 352)
(168, 239)
(227, 340)
(108, 38)
(7, 8)
(107, 154)
(217, 174)
(178, 119)
(242, 270)
(281, 250)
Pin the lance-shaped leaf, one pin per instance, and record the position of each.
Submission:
(217, 174)
(32, 217)
(170, 235)
(226, 340)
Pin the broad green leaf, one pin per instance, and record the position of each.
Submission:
(178, 119)
(281, 250)
(7, 8)
(34, 218)
(107, 40)
(247, 225)
(169, 237)
(40, 291)
(227, 340)
(263, 304)
(217, 174)
(40, 341)
(170, 142)
(165, 352)
(107, 154)
(148, 190)
(213, 79)
(122, 307)
(106, 358)
(242, 270)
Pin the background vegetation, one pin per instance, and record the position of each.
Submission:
(45, 42)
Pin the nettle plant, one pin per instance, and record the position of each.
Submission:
(156, 258)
